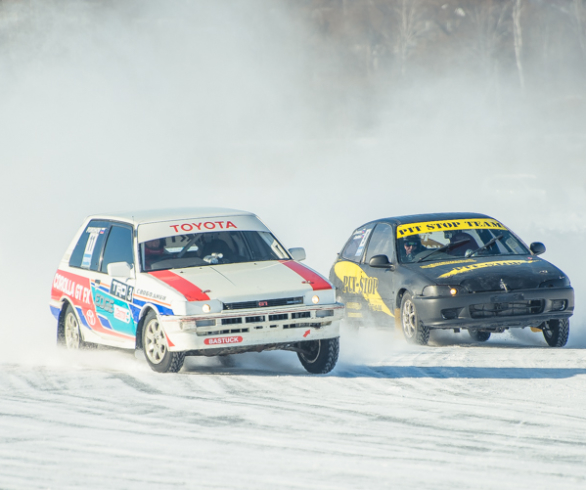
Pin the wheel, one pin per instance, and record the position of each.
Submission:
(556, 332)
(70, 337)
(154, 342)
(319, 356)
(414, 331)
(68, 333)
(479, 336)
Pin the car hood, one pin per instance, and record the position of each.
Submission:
(245, 282)
(508, 272)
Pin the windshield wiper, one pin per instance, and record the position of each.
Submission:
(441, 249)
(486, 245)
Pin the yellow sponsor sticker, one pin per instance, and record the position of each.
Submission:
(438, 264)
(447, 225)
(353, 306)
(483, 265)
(356, 281)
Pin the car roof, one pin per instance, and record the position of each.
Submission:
(418, 218)
(156, 215)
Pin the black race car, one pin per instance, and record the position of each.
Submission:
(451, 271)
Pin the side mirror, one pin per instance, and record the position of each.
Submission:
(120, 269)
(537, 248)
(298, 253)
(381, 261)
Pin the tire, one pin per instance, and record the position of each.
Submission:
(156, 352)
(413, 330)
(479, 336)
(319, 356)
(556, 332)
(68, 332)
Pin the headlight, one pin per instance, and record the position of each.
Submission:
(562, 282)
(440, 291)
(315, 299)
(206, 308)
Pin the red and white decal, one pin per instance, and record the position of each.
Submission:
(203, 226)
(77, 289)
(312, 278)
(186, 288)
(223, 340)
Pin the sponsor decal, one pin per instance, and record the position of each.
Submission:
(263, 303)
(103, 303)
(90, 317)
(360, 284)
(90, 245)
(307, 332)
(353, 306)
(468, 268)
(236, 339)
(203, 226)
(122, 314)
(150, 294)
(356, 281)
(362, 242)
(448, 262)
(453, 224)
(121, 290)
(68, 284)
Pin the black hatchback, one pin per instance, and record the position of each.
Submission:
(451, 271)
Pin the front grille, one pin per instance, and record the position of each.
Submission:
(516, 308)
(231, 321)
(268, 303)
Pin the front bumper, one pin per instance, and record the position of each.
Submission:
(251, 329)
(523, 308)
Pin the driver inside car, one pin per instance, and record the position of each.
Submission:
(154, 251)
(411, 247)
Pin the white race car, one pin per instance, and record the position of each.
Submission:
(192, 282)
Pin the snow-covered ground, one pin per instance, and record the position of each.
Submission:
(506, 414)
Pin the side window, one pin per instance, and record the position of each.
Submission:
(381, 242)
(118, 247)
(355, 246)
(88, 250)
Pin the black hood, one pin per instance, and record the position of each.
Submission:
(495, 273)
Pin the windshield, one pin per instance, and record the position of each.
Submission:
(444, 240)
(202, 249)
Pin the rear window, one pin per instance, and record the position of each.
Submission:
(88, 250)
(211, 248)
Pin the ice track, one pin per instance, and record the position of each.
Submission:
(498, 415)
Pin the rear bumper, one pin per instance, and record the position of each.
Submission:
(252, 329)
(526, 308)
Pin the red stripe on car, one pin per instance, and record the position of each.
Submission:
(312, 278)
(187, 289)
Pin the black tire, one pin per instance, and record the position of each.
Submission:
(69, 333)
(479, 336)
(413, 330)
(557, 332)
(319, 356)
(154, 343)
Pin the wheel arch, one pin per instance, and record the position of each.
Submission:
(400, 295)
(143, 314)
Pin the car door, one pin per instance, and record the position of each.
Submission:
(379, 283)
(348, 276)
(113, 295)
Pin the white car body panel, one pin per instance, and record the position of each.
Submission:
(110, 309)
